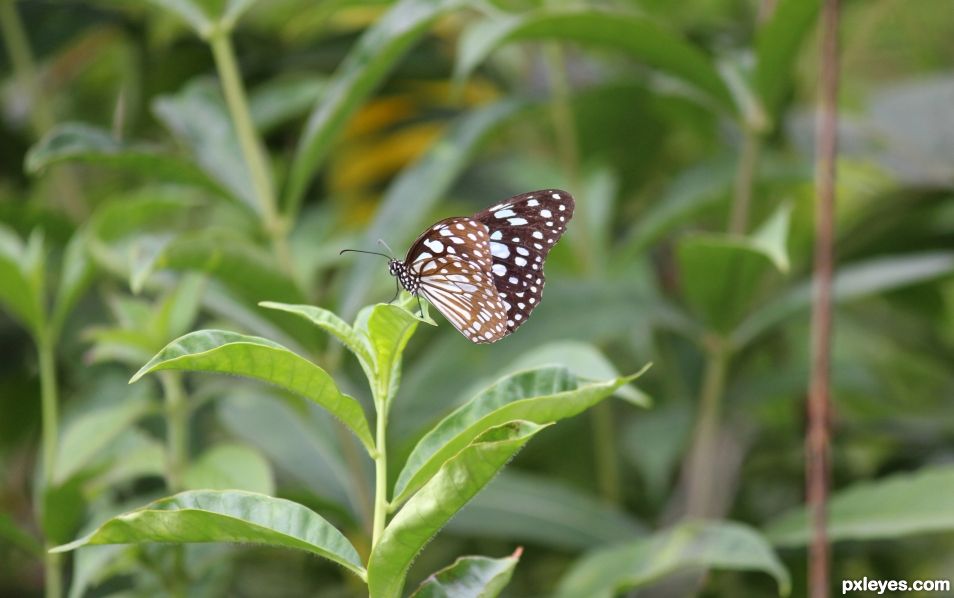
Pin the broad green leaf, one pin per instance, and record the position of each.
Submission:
(470, 577)
(720, 274)
(896, 506)
(369, 61)
(332, 324)
(274, 103)
(386, 329)
(639, 37)
(458, 480)
(12, 534)
(230, 467)
(227, 516)
(76, 274)
(188, 11)
(584, 361)
(777, 47)
(198, 117)
(300, 443)
(713, 545)
(523, 507)
(261, 359)
(851, 281)
(133, 455)
(21, 282)
(79, 142)
(90, 433)
(407, 203)
(544, 395)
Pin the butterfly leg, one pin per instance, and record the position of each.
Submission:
(419, 306)
(397, 291)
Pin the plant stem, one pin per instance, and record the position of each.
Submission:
(380, 473)
(817, 442)
(255, 158)
(604, 445)
(745, 181)
(177, 430)
(50, 433)
(699, 482)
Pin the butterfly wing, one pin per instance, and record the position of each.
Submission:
(453, 264)
(523, 229)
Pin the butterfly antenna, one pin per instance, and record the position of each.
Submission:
(386, 246)
(343, 251)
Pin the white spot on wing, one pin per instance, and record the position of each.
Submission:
(499, 250)
(517, 221)
(499, 269)
(504, 213)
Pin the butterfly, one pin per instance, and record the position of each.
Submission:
(485, 273)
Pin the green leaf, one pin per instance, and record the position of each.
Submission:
(230, 467)
(85, 437)
(276, 102)
(79, 142)
(720, 273)
(637, 36)
(470, 577)
(852, 281)
(584, 361)
(523, 507)
(227, 516)
(198, 117)
(543, 395)
(407, 203)
(777, 48)
(75, 276)
(261, 359)
(458, 480)
(896, 506)
(386, 329)
(12, 534)
(189, 12)
(332, 324)
(714, 545)
(21, 279)
(234, 10)
(366, 65)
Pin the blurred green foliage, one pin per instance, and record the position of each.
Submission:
(168, 165)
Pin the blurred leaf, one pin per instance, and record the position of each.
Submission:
(583, 360)
(386, 329)
(198, 117)
(715, 545)
(260, 359)
(638, 36)
(523, 507)
(777, 47)
(64, 507)
(654, 442)
(189, 12)
(458, 480)
(133, 455)
(230, 467)
(332, 324)
(366, 65)
(90, 433)
(276, 102)
(720, 274)
(297, 444)
(12, 534)
(851, 281)
(541, 396)
(80, 142)
(91, 566)
(21, 279)
(409, 200)
(227, 516)
(234, 9)
(896, 506)
(470, 577)
(75, 276)
(179, 308)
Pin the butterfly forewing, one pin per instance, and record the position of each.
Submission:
(523, 229)
(451, 263)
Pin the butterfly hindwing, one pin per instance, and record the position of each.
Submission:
(523, 229)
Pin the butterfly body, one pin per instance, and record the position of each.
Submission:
(485, 273)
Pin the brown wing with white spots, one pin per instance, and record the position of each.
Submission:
(523, 229)
(453, 263)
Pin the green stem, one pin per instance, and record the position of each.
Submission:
(177, 430)
(700, 480)
(604, 444)
(745, 181)
(380, 474)
(50, 433)
(252, 150)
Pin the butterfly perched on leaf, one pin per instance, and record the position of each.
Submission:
(485, 273)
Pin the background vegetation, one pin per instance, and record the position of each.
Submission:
(167, 165)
